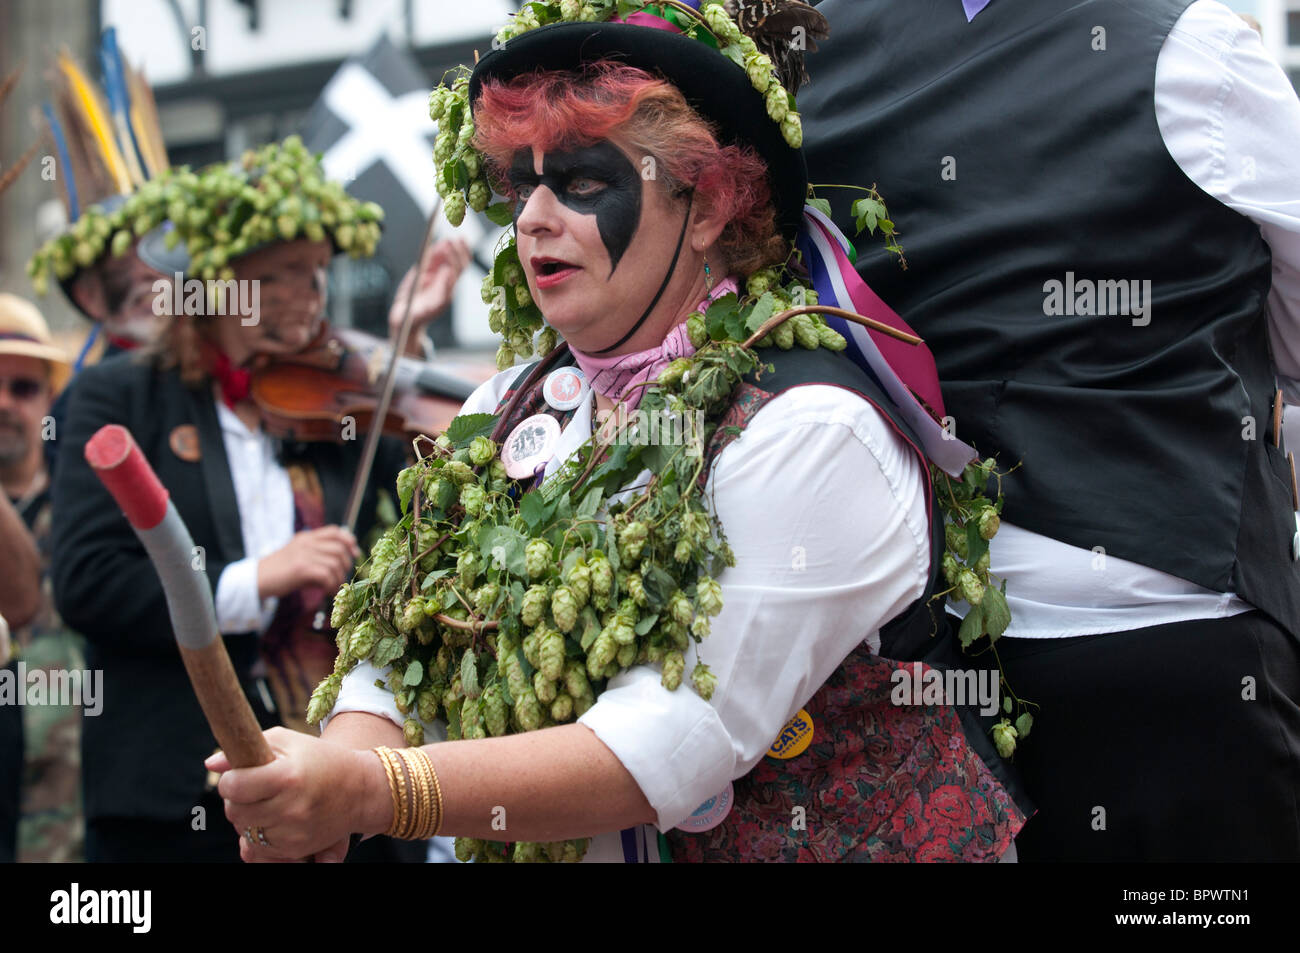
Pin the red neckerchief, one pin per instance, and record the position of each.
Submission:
(234, 381)
(122, 344)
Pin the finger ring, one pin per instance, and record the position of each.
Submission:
(256, 836)
(248, 835)
(261, 838)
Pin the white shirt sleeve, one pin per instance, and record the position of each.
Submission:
(1230, 119)
(824, 507)
(236, 602)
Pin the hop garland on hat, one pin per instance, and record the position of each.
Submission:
(275, 193)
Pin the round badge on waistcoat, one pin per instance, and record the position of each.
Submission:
(530, 444)
(794, 738)
(565, 388)
(711, 813)
(184, 441)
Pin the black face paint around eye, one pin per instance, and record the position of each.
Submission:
(617, 206)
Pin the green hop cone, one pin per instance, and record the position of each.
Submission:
(480, 195)
(683, 551)
(951, 569)
(481, 451)
(805, 332)
(473, 498)
(437, 103)
(121, 243)
(579, 581)
(703, 681)
(671, 375)
(531, 646)
(550, 652)
(601, 653)
(323, 698)
(1004, 738)
(990, 522)
(468, 565)
(516, 680)
(546, 341)
(602, 574)
(777, 101)
(562, 707)
(453, 207)
(545, 689)
(343, 606)
(721, 25)
(588, 14)
(708, 595)
(467, 848)
(495, 712)
(536, 599)
(459, 471)
(700, 626)
(564, 607)
(783, 335)
(412, 733)
(537, 558)
(636, 589)
(575, 679)
(956, 540)
(697, 331)
(830, 339)
(680, 607)
(411, 616)
(528, 711)
(792, 130)
(674, 668)
(426, 704)
(982, 564)
(759, 68)
(505, 357)
(626, 655)
(570, 10)
(484, 597)
(970, 587)
(523, 297)
(631, 540)
(362, 642)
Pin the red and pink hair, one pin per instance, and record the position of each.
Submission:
(573, 109)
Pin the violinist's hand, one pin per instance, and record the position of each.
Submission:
(315, 557)
(443, 264)
(307, 801)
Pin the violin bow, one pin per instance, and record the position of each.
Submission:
(357, 493)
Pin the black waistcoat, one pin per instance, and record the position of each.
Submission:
(1022, 149)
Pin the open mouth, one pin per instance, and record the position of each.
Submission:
(551, 271)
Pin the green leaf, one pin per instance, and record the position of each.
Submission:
(431, 578)
(972, 627)
(976, 545)
(448, 493)
(466, 427)
(996, 614)
(590, 503)
(659, 586)
(508, 543)
(529, 671)
(733, 52)
(414, 674)
(715, 318)
(405, 490)
(388, 650)
(393, 579)
(645, 624)
(762, 310)
(453, 719)
(504, 689)
(469, 674)
(868, 213)
(500, 213)
(821, 205)
(735, 326)
(534, 510)
(1023, 724)
(590, 629)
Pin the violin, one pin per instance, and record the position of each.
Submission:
(307, 396)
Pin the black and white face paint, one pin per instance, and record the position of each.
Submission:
(598, 180)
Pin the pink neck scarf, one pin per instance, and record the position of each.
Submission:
(617, 377)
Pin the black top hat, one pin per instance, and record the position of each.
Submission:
(713, 85)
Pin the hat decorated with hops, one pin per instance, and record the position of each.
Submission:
(275, 193)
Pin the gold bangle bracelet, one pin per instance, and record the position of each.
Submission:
(382, 753)
(433, 821)
(424, 771)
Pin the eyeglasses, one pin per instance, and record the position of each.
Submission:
(23, 388)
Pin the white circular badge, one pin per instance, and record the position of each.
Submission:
(711, 813)
(565, 388)
(530, 445)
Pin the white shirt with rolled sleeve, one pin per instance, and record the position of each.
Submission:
(823, 505)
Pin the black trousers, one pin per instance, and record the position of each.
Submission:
(1177, 742)
(11, 773)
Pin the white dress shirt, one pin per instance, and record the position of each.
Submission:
(266, 518)
(1231, 121)
(823, 505)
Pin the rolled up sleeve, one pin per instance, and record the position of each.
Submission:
(823, 504)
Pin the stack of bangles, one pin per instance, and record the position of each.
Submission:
(417, 795)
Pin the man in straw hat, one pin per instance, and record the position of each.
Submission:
(43, 736)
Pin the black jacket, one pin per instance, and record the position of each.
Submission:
(142, 756)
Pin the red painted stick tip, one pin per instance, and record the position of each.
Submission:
(114, 455)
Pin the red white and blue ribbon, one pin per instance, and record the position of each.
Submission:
(904, 371)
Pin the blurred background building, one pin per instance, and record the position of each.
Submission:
(230, 74)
